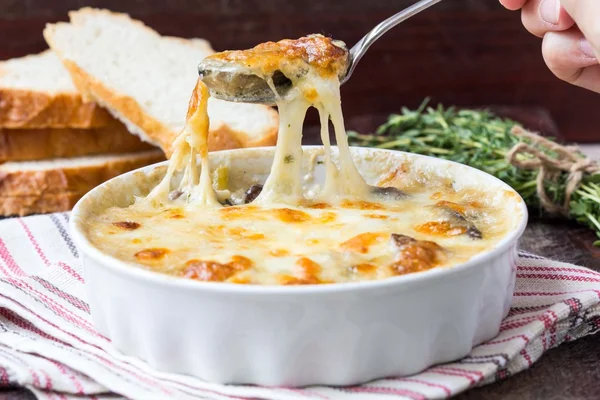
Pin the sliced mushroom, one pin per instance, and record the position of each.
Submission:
(456, 215)
(389, 193)
(175, 194)
(401, 240)
(474, 233)
(252, 193)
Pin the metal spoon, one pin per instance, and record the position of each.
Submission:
(235, 84)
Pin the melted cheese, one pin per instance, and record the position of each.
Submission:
(284, 184)
(191, 143)
(344, 231)
(350, 242)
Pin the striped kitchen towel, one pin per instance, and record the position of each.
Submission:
(48, 344)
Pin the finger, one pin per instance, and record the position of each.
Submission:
(589, 78)
(541, 16)
(571, 58)
(513, 4)
(587, 14)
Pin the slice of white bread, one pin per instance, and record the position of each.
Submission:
(146, 80)
(67, 176)
(36, 91)
(48, 143)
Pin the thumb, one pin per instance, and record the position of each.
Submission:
(586, 14)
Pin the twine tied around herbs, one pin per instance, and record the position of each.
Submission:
(567, 159)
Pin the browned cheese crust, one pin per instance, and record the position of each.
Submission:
(319, 51)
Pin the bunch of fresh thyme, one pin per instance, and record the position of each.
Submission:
(481, 140)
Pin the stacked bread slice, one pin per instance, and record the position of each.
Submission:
(110, 96)
(54, 146)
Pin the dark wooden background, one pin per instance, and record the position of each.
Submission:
(463, 52)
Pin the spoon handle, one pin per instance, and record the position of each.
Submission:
(360, 48)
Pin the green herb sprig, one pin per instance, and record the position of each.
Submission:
(481, 140)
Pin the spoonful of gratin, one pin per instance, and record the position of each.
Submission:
(270, 70)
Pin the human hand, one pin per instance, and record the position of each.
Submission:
(571, 36)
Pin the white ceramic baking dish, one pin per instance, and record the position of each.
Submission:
(338, 334)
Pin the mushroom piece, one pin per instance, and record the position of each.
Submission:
(252, 193)
(455, 213)
(389, 193)
(175, 194)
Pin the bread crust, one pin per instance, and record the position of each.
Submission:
(27, 205)
(71, 179)
(32, 109)
(49, 143)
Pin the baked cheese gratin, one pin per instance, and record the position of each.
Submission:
(289, 230)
